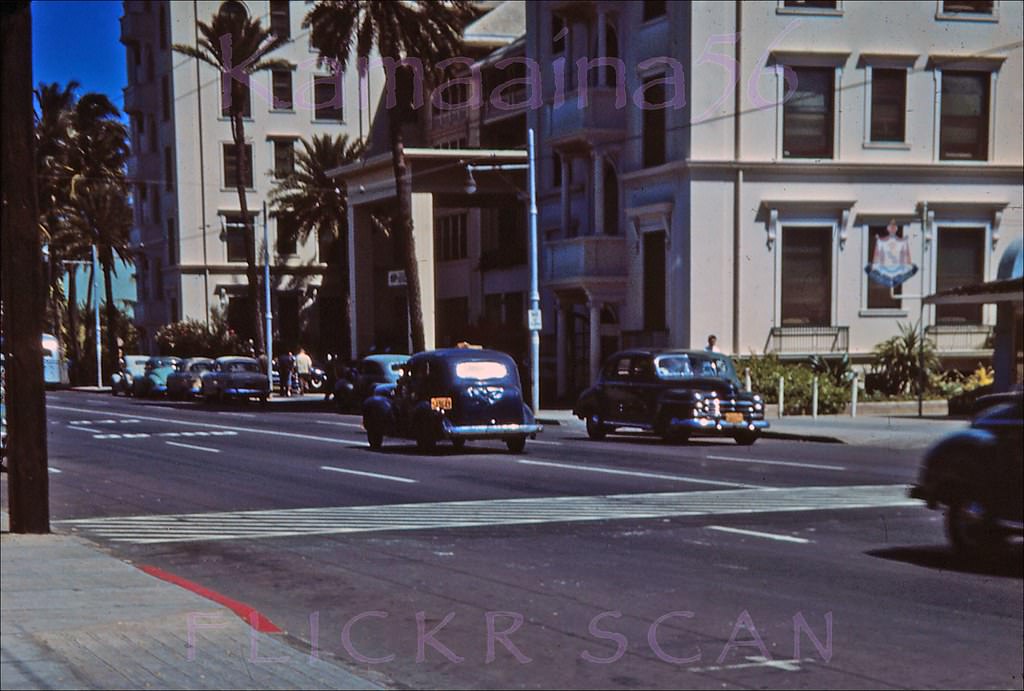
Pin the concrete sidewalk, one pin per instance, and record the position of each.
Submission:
(901, 431)
(73, 616)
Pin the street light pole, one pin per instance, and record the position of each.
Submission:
(268, 317)
(96, 304)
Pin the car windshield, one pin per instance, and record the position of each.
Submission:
(241, 367)
(157, 362)
(480, 370)
(687, 365)
(200, 367)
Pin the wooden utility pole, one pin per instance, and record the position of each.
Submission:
(24, 290)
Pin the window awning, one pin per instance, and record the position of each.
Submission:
(1007, 290)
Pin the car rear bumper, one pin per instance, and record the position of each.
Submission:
(245, 392)
(716, 425)
(497, 431)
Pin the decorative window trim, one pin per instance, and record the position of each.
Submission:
(837, 11)
(808, 220)
(783, 59)
(650, 218)
(941, 15)
(938, 64)
(869, 143)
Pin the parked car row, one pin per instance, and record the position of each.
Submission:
(231, 376)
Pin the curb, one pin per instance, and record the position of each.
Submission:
(794, 436)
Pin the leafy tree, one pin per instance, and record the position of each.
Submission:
(235, 44)
(423, 30)
(315, 202)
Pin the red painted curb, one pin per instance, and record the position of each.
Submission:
(254, 618)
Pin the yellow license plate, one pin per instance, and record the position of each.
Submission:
(734, 417)
(441, 403)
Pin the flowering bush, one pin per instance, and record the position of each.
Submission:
(193, 338)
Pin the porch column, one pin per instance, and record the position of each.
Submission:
(565, 194)
(597, 160)
(562, 344)
(595, 339)
(423, 232)
(602, 48)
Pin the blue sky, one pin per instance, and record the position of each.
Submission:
(81, 41)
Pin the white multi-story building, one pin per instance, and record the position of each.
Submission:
(748, 208)
(189, 237)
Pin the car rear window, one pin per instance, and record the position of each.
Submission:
(480, 370)
(242, 367)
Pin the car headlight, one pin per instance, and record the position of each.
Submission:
(758, 406)
(698, 396)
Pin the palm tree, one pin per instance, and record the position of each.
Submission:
(423, 29)
(233, 43)
(101, 216)
(316, 202)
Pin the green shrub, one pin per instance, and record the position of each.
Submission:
(897, 365)
(193, 338)
(799, 376)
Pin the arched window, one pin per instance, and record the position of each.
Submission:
(611, 200)
(233, 9)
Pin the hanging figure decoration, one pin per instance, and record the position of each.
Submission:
(890, 264)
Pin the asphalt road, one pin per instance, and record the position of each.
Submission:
(615, 564)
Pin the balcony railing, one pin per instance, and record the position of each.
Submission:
(599, 256)
(949, 338)
(808, 340)
(512, 103)
(599, 117)
(452, 116)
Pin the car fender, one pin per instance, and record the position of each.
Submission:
(956, 459)
(588, 403)
(379, 413)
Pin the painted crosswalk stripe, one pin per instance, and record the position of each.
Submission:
(192, 446)
(240, 525)
(635, 473)
(755, 533)
(378, 476)
(762, 461)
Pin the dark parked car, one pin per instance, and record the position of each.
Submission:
(186, 381)
(674, 393)
(364, 377)
(236, 377)
(154, 380)
(976, 474)
(132, 367)
(456, 394)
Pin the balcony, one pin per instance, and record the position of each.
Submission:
(575, 260)
(808, 340)
(137, 26)
(442, 119)
(950, 339)
(513, 101)
(599, 121)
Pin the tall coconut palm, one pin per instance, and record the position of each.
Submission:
(102, 217)
(427, 30)
(316, 202)
(235, 44)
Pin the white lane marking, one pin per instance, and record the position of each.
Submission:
(81, 429)
(761, 461)
(545, 441)
(754, 533)
(192, 446)
(636, 473)
(222, 412)
(54, 470)
(239, 525)
(756, 661)
(374, 475)
(275, 433)
(106, 436)
(357, 425)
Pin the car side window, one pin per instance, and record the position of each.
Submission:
(620, 369)
(642, 369)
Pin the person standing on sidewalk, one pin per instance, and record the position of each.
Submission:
(304, 368)
(287, 373)
(712, 346)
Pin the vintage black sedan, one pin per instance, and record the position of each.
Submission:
(456, 394)
(236, 377)
(976, 475)
(674, 393)
(187, 381)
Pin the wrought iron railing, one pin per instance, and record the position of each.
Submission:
(960, 337)
(808, 340)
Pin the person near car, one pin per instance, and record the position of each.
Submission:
(712, 346)
(304, 368)
(287, 373)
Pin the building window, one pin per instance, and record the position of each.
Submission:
(231, 166)
(450, 237)
(880, 297)
(985, 7)
(806, 276)
(654, 281)
(960, 262)
(165, 103)
(653, 9)
(282, 87)
(150, 65)
(157, 211)
(502, 238)
(811, 4)
(232, 88)
(559, 36)
(284, 158)
(163, 27)
(556, 170)
(172, 243)
(158, 281)
(236, 234)
(654, 122)
(174, 309)
(287, 236)
(888, 105)
(168, 170)
(807, 119)
(280, 21)
(963, 128)
(452, 321)
(152, 134)
(327, 97)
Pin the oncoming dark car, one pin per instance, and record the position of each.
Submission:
(976, 475)
(236, 377)
(456, 394)
(674, 393)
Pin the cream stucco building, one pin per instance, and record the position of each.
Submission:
(748, 208)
